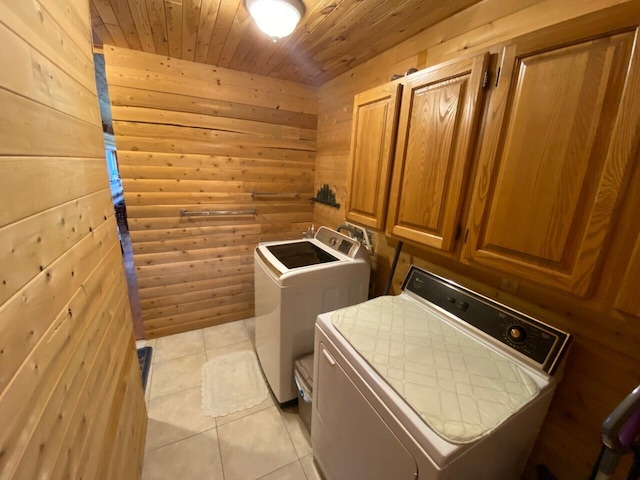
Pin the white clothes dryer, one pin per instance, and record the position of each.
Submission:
(295, 281)
(436, 383)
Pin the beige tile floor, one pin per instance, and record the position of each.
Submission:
(263, 442)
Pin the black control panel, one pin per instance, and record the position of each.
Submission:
(538, 341)
(345, 247)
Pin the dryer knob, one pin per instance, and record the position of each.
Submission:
(333, 241)
(517, 333)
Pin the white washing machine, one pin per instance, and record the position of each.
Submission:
(436, 383)
(294, 282)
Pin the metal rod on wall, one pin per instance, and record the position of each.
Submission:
(213, 213)
(274, 194)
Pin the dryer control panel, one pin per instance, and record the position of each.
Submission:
(543, 344)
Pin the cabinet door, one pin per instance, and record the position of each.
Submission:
(628, 299)
(375, 116)
(440, 109)
(561, 133)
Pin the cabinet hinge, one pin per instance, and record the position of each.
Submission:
(497, 76)
(466, 235)
(485, 80)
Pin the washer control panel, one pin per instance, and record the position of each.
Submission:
(542, 344)
(338, 242)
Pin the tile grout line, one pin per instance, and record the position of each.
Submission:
(244, 416)
(204, 343)
(246, 330)
(179, 391)
(176, 358)
(153, 362)
(280, 468)
(220, 450)
(180, 440)
(184, 389)
(313, 467)
(149, 385)
(293, 443)
(303, 470)
(291, 440)
(282, 412)
(229, 345)
(172, 393)
(285, 427)
(204, 351)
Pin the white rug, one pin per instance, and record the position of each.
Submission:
(231, 383)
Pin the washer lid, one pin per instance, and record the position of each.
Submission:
(300, 254)
(461, 388)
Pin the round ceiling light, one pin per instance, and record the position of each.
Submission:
(276, 18)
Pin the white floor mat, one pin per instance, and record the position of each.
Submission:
(231, 383)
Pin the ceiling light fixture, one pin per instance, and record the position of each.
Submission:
(276, 18)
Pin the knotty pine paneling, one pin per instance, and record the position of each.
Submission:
(70, 389)
(331, 38)
(604, 363)
(199, 138)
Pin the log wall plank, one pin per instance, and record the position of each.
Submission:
(65, 320)
(199, 138)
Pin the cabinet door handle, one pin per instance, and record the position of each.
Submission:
(329, 358)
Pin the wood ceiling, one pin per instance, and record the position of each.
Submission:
(333, 36)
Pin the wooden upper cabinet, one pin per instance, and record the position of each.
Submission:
(438, 119)
(375, 114)
(561, 134)
(628, 299)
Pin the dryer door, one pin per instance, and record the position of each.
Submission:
(350, 439)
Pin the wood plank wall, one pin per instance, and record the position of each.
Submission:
(71, 402)
(202, 138)
(604, 364)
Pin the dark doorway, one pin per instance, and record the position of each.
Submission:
(117, 195)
